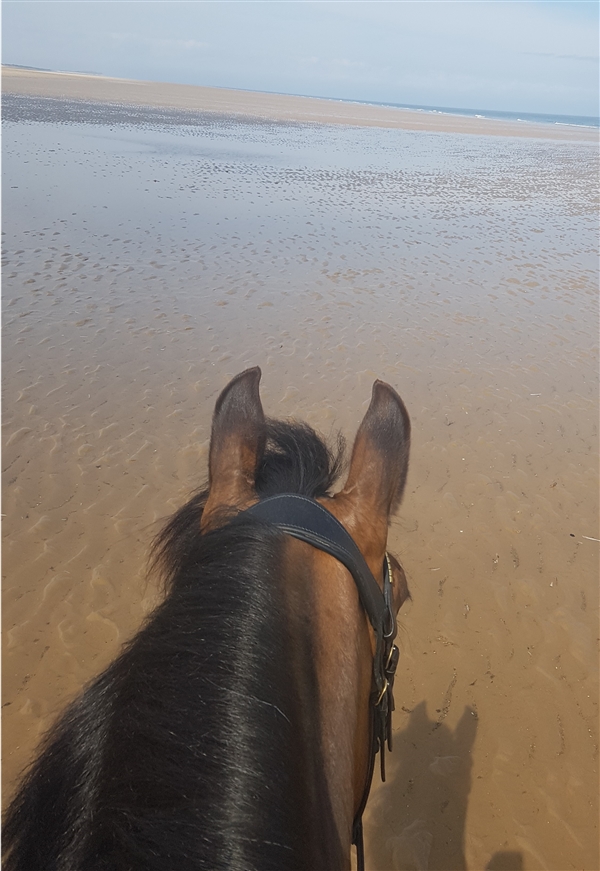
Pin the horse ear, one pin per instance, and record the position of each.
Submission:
(237, 443)
(378, 469)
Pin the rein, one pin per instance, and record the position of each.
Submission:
(304, 518)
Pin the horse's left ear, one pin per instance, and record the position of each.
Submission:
(378, 471)
(237, 443)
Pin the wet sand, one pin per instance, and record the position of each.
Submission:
(151, 253)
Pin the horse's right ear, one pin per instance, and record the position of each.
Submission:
(237, 443)
(380, 455)
(377, 472)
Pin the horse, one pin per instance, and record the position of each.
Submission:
(238, 729)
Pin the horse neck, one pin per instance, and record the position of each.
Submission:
(331, 659)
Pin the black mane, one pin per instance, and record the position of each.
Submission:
(191, 751)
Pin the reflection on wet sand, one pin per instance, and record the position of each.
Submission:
(147, 259)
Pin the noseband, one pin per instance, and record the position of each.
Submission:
(307, 520)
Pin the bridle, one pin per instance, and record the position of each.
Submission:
(304, 518)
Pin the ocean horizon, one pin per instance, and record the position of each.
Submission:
(488, 114)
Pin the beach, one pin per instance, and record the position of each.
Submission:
(272, 107)
(158, 239)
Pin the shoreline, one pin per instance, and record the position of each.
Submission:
(267, 106)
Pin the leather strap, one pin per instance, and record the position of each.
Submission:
(307, 520)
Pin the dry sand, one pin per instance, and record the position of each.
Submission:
(151, 254)
(273, 107)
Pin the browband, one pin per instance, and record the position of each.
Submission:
(307, 520)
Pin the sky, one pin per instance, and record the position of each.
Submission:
(534, 56)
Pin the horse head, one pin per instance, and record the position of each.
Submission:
(344, 642)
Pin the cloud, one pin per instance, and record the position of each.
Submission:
(584, 57)
(336, 63)
(159, 42)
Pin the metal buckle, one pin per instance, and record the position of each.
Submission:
(382, 693)
(392, 661)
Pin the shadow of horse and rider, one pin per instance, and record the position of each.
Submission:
(417, 817)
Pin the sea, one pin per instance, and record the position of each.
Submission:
(531, 117)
